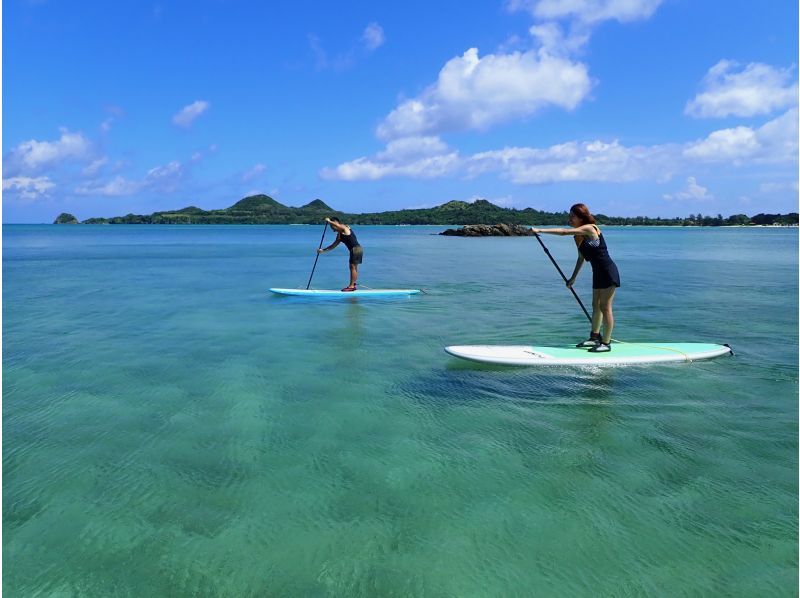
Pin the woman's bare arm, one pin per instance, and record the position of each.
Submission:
(587, 230)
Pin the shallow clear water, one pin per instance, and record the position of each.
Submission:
(169, 428)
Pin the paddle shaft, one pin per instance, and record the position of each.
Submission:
(325, 228)
(574, 294)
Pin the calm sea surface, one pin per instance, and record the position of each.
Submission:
(171, 429)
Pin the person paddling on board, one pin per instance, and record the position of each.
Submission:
(605, 276)
(344, 234)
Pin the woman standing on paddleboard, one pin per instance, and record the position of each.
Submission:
(344, 234)
(605, 276)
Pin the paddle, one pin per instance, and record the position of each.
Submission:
(547, 251)
(325, 228)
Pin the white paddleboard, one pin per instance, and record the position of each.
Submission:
(621, 354)
(340, 294)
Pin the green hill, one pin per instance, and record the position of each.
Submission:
(262, 209)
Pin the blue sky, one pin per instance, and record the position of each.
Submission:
(635, 107)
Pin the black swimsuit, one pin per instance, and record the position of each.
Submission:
(604, 270)
(351, 242)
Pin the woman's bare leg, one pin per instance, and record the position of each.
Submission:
(597, 313)
(605, 300)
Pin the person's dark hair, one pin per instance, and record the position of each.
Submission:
(582, 213)
(335, 219)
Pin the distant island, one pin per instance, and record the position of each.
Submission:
(262, 209)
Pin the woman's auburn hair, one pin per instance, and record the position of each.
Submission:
(580, 211)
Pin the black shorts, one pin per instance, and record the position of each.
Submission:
(605, 275)
(356, 254)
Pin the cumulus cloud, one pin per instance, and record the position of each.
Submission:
(730, 89)
(164, 179)
(370, 170)
(187, 115)
(373, 36)
(416, 157)
(578, 18)
(775, 141)
(587, 11)
(476, 93)
(118, 186)
(587, 161)
(693, 191)
(552, 39)
(28, 187)
(726, 144)
(34, 156)
(575, 161)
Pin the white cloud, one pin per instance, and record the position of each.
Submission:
(164, 179)
(693, 191)
(749, 91)
(725, 144)
(93, 168)
(367, 169)
(33, 156)
(553, 41)
(415, 157)
(476, 93)
(778, 187)
(119, 186)
(254, 172)
(189, 113)
(587, 161)
(373, 36)
(412, 147)
(578, 18)
(28, 187)
(576, 161)
(320, 56)
(775, 141)
(587, 11)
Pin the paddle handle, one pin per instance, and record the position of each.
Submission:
(325, 228)
(574, 294)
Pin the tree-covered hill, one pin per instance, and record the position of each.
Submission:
(262, 209)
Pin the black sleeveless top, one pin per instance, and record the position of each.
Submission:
(604, 270)
(595, 250)
(350, 241)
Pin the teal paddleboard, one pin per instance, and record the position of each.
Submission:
(340, 294)
(622, 353)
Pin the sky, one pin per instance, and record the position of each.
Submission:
(634, 107)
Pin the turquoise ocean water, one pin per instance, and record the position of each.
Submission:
(171, 429)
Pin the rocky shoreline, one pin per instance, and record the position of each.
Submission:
(489, 230)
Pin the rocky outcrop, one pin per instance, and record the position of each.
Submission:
(65, 218)
(489, 230)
